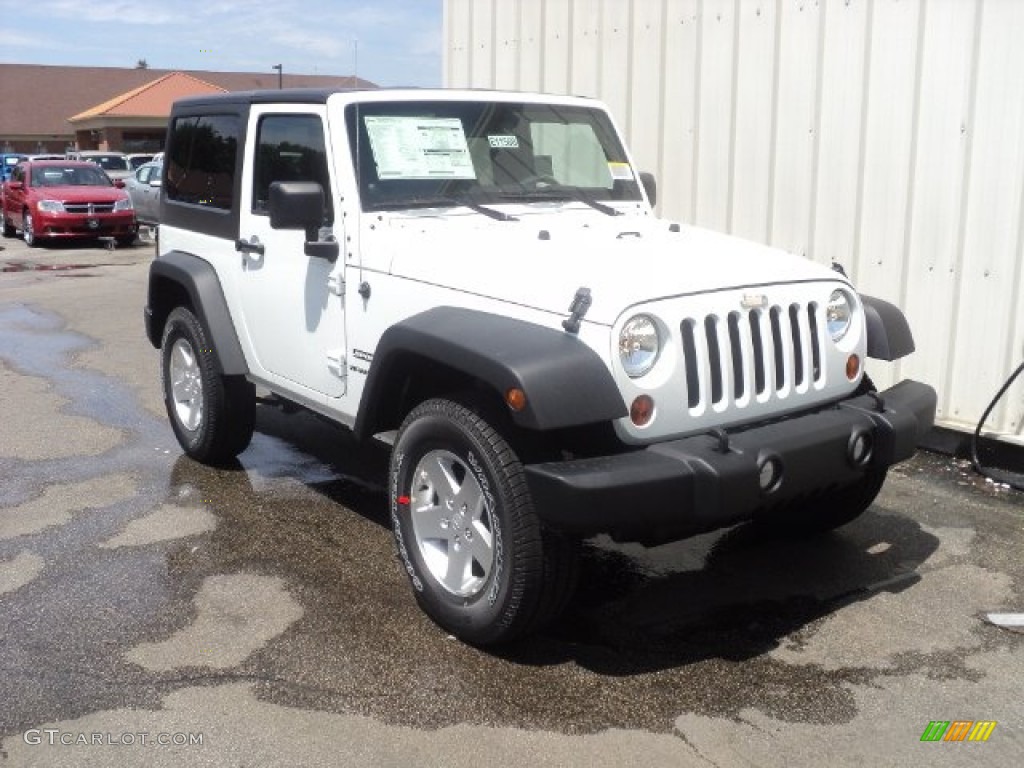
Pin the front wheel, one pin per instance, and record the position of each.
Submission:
(28, 230)
(9, 230)
(481, 564)
(212, 415)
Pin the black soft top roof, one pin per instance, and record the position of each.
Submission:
(308, 96)
(286, 95)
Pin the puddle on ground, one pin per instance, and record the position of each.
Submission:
(295, 540)
(20, 266)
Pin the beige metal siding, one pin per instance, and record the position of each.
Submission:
(887, 135)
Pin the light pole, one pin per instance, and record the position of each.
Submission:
(280, 75)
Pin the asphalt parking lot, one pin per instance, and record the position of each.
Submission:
(158, 612)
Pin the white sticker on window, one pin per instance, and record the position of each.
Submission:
(419, 147)
(620, 170)
(503, 142)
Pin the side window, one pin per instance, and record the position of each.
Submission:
(289, 148)
(201, 160)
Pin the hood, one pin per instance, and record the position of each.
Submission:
(79, 194)
(540, 261)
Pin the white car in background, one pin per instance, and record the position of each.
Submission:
(114, 163)
(137, 159)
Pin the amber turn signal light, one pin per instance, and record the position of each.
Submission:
(852, 367)
(642, 411)
(515, 399)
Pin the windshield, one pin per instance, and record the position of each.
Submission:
(432, 153)
(110, 162)
(68, 176)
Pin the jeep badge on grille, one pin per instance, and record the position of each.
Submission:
(754, 301)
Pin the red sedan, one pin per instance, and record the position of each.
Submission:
(66, 199)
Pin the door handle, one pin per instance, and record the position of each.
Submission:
(252, 245)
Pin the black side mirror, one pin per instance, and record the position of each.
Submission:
(650, 187)
(302, 205)
(296, 205)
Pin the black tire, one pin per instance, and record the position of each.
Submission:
(213, 415)
(517, 576)
(126, 240)
(9, 229)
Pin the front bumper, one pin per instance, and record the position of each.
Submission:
(75, 225)
(679, 488)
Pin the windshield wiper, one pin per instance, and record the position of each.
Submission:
(564, 192)
(438, 201)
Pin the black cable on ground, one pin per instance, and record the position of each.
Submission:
(1013, 479)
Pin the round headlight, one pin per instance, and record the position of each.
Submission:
(839, 314)
(639, 345)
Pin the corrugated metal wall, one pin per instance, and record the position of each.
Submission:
(887, 135)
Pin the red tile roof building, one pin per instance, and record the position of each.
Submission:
(53, 109)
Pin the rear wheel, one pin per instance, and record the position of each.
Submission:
(212, 415)
(481, 564)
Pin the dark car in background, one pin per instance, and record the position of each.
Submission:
(66, 199)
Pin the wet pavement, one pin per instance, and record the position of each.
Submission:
(259, 608)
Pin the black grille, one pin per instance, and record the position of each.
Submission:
(89, 208)
(751, 353)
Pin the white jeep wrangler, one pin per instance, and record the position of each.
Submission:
(478, 278)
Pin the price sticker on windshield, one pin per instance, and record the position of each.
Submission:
(410, 147)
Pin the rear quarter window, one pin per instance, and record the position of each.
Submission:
(201, 159)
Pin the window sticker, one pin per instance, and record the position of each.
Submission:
(419, 147)
(503, 142)
(620, 170)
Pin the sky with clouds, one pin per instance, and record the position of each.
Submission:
(389, 42)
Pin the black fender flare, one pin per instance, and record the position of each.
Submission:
(177, 272)
(889, 336)
(565, 381)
